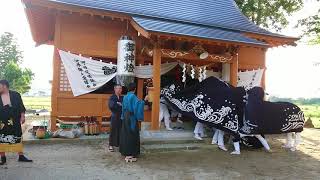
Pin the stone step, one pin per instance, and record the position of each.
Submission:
(170, 147)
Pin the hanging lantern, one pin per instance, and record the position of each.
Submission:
(126, 61)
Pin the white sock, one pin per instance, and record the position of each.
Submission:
(289, 140)
(236, 148)
(297, 141)
(220, 138)
(215, 137)
(263, 142)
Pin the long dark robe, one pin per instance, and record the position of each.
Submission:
(263, 117)
(114, 139)
(10, 125)
(132, 112)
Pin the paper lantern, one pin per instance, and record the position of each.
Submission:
(126, 61)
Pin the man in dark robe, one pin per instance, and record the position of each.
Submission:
(132, 112)
(115, 105)
(12, 115)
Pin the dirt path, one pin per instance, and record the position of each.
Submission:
(90, 161)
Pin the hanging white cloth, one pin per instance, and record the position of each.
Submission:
(86, 75)
(210, 73)
(147, 71)
(250, 79)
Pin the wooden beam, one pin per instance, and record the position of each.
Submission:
(184, 55)
(273, 41)
(202, 40)
(138, 28)
(234, 71)
(81, 10)
(156, 86)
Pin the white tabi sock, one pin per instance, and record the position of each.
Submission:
(215, 137)
(289, 141)
(297, 141)
(236, 148)
(221, 140)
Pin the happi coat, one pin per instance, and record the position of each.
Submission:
(132, 112)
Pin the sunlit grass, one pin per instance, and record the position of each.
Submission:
(313, 112)
(37, 102)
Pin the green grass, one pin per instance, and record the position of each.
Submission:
(312, 111)
(37, 102)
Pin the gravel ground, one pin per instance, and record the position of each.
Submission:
(90, 161)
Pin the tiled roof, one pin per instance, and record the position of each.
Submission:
(174, 27)
(208, 16)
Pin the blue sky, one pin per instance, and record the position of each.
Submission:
(290, 70)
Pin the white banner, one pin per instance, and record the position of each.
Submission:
(86, 75)
(250, 79)
(147, 71)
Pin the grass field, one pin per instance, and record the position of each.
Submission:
(312, 111)
(37, 102)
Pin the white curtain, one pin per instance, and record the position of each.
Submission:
(147, 71)
(86, 75)
(250, 79)
(214, 74)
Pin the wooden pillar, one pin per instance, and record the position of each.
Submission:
(56, 75)
(140, 83)
(234, 68)
(263, 81)
(156, 85)
(54, 91)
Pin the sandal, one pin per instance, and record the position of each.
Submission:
(130, 159)
(111, 149)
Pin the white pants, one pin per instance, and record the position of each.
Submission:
(198, 129)
(218, 137)
(164, 114)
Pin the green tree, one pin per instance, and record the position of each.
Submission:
(269, 14)
(10, 64)
(311, 26)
